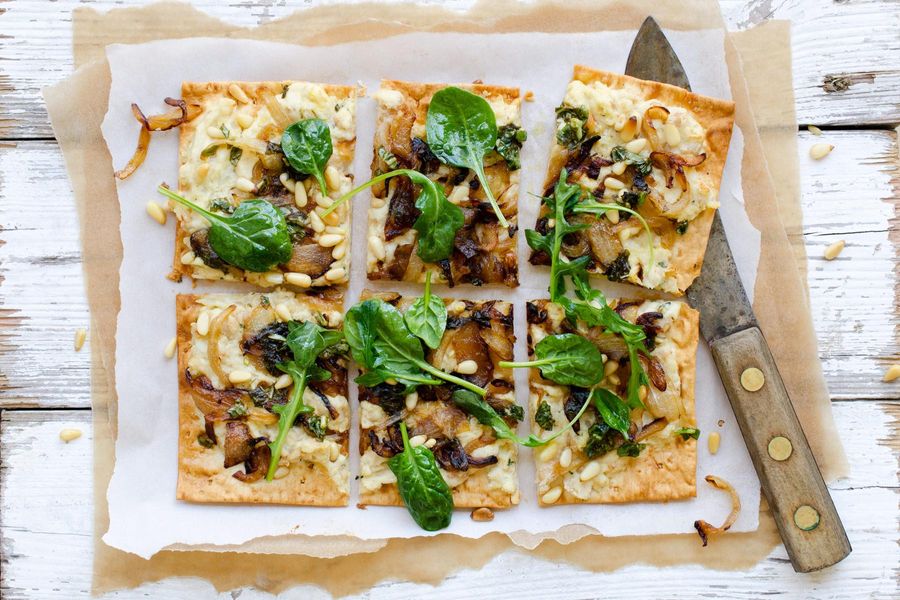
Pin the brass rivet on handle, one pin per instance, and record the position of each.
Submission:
(806, 518)
(780, 448)
(752, 379)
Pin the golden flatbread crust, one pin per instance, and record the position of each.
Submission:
(206, 480)
(488, 263)
(665, 469)
(476, 490)
(200, 94)
(717, 118)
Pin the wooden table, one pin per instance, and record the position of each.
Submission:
(45, 484)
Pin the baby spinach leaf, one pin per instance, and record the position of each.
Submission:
(566, 358)
(427, 317)
(254, 238)
(306, 341)
(612, 410)
(461, 128)
(307, 147)
(422, 487)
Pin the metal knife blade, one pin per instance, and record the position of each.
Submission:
(804, 512)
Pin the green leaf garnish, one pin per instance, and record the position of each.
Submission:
(307, 147)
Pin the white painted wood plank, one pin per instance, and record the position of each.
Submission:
(46, 527)
(856, 39)
(848, 195)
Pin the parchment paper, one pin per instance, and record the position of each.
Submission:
(145, 473)
(77, 106)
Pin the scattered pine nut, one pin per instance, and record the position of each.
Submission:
(820, 151)
(467, 367)
(418, 440)
(482, 514)
(69, 433)
(283, 312)
(156, 211)
(240, 376)
(299, 279)
(171, 347)
(283, 382)
(552, 495)
(238, 94)
(892, 374)
(80, 337)
(590, 471)
(814, 130)
(713, 442)
(203, 324)
(752, 379)
(832, 251)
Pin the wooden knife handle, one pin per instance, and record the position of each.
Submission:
(814, 537)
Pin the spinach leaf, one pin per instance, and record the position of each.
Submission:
(571, 125)
(306, 342)
(254, 238)
(461, 128)
(307, 147)
(422, 487)
(642, 165)
(486, 415)
(566, 358)
(381, 342)
(613, 411)
(688, 432)
(510, 138)
(427, 317)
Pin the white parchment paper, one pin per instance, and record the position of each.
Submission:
(144, 515)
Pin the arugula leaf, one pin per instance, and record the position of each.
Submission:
(427, 317)
(438, 222)
(422, 487)
(307, 147)
(306, 341)
(566, 358)
(510, 138)
(486, 415)
(381, 342)
(461, 128)
(612, 410)
(688, 432)
(254, 238)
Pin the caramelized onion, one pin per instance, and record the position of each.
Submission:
(212, 402)
(673, 165)
(212, 350)
(281, 119)
(704, 529)
(237, 443)
(257, 464)
(162, 122)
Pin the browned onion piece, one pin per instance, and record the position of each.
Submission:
(213, 353)
(651, 428)
(256, 465)
(237, 443)
(673, 165)
(278, 115)
(654, 370)
(162, 122)
(137, 159)
(657, 112)
(212, 402)
(309, 258)
(705, 529)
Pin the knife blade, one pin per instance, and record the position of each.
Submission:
(804, 512)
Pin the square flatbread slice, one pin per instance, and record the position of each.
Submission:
(224, 426)
(484, 252)
(479, 468)
(655, 148)
(583, 465)
(231, 152)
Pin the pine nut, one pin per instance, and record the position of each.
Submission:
(329, 240)
(552, 495)
(334, 452)
(171, 347)
(619, 168)
(892, 374)
(412, 400)
(814, 130)
(673, 136)
(215, 133)
(240, 376)
(68, 434)
(339, 251)
(188, 257)
(244, 185)
(300, 197)
(238, 94)
(80, 337)
(565, 458)
(832, 251)
(333, 218)
(335, 229)
(612, 216)
(431, 443)
(376, 247)
(636, 145)
(299, 279)
(712, 442)
(156, 211)
(335, 274)
(281, 473)
(752, 379)
(315, 222)
(456, 307)
(333, 178)
(629, 129)
(418, 440)
(613, 183)
(245, 120)
(203, 324)
(591, 470)
(610, 367)
(287, 182)
(467, 367)
(613, 380)
(323, 201)
(283, 312)
(283, 382)
(820, 151)
(274, 278)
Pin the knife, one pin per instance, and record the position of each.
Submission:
(809, 525)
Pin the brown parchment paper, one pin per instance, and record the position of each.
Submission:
(77, 107)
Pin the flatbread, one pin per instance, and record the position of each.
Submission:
(437, 419)
(313, 472)
(666, 467)
(484, 253)
(680, 223)
(231, 152)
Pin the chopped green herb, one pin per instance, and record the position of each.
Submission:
(619, 269)
(571, 125)
(316, 426)
(544, 417)
(388, 157)
(513, 411)
(601, 439)
(641, 165)
(225, 131)
(630, 449)
(688, 432)
(204, 441)
(237, 410)
(509, 145)
(222, 205)
(234, 156)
